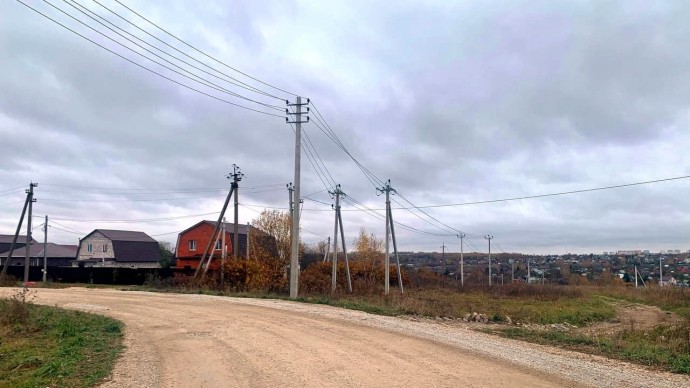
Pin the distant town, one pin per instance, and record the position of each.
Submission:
(672, 265)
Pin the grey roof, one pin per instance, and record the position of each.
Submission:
(53, 251)
(125, 235)
(7, 239)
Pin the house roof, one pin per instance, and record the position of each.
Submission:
(125, 235)
(229, 226)
(131, 246)
(52, 250)
(7, 239)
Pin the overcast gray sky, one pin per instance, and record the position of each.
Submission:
(453, 101)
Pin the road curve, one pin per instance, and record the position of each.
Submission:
(176, 340)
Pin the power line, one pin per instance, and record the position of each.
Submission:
(238, 84)
(165, 234)
(559, 193)
(132, 220)
(201, 52)
(65, 230)
(10, 203)
(196, 78)
(127, 200)
(152, 189)
(64, 226)
(146, 68)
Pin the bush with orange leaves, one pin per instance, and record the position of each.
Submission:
(367, 277)
(253, 276)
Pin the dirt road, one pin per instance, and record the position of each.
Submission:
(178, 340)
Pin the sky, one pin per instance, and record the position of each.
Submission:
(453, 101)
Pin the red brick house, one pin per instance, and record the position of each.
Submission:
(192, 242)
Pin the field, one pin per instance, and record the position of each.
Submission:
(42, 346)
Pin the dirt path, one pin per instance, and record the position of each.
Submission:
(178, 340)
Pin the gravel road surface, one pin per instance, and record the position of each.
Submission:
(176, 340)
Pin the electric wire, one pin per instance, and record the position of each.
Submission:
(144, 67)
(131, 220)
(200, 51)
(195, 78)
(232, 80)
(50, 221)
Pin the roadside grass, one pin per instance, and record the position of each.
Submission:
(42, 346)
(673, 299)
(666, 347)
(528, 304)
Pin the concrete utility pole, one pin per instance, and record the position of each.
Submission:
(248, 235)
(339, 226)
(395, 249)
(223, 253)
(328, 249)
(443, 252)
(14, 239)
(334, 270)
(386, 265)
(27, 256)
(390, 232)
(236, 178)
(462, 260)
(45, 250)
(489, 237)
(294, 254)
(215, 232)
(529, 274)
(661, 270)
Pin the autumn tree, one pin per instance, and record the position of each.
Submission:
(368, 247)
(277, 225)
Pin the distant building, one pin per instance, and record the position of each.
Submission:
(630, 253)
(57, 255)
(6, 242)
(668, 281)
(118, 248)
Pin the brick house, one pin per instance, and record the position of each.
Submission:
(192, 242)
(118, 249)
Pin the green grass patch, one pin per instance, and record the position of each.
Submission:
(666, 347)
(52, 347)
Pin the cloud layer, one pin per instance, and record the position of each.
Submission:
(454, 102)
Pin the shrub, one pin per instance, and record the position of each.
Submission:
(15, 310)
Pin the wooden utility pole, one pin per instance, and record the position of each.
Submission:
(294, 254)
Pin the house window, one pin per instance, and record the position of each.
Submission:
(219, 244)
(192, 245)
(89, 248)
(105, 247)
